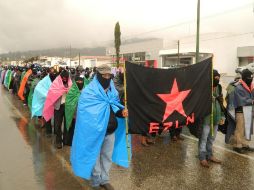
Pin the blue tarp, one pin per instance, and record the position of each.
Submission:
(91, 125)
(120, 153)
(39, 96)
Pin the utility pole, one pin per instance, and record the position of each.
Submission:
(79, 59)
(253, 7)
(70, 55)
(178, 52)
(198, 28)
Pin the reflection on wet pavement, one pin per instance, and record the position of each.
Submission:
(29, 160)
(31, 163)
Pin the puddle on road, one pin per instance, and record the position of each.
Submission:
(164, 165)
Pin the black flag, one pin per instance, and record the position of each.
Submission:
(160, 99)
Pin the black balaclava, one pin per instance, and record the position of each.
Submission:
(121, 77)
(79, 70)
(61, 69)
(80, 82)
(32, 66)
(43, 74)
(34, 70)
(20, 69)
(216, 81)
(52, 74)
(247, 77)
(73, 71)
(87, 72)
(87, 75)
(104, 82)
(65, 76)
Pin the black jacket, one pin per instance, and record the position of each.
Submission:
(112, 123)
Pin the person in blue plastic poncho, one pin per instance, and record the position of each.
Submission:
(96, 123)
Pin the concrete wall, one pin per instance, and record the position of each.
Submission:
(247, 51)
(243, 62)
(89, 63)
(151, 48)
(224, 47)
(224, 50)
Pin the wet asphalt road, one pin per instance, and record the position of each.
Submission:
(29, 161)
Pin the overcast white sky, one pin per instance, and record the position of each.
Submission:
(40, 24)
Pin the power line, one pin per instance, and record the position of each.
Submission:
(175, 25)
(180, 24)
(229, 36)
(216, 38)
(190, 21)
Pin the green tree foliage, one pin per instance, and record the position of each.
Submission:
(117, 42)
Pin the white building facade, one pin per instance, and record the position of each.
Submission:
(229, 50)
(138, 52)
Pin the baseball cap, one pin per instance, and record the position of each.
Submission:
(104, 69)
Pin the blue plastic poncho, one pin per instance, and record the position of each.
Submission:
(91, 125)
(39, 96)
(120, 153)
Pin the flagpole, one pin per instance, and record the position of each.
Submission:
(212, 131)
(126, 119)
(198, 29)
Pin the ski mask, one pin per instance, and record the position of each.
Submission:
(73, 71)
(79, 70)
(34, 70)
(216, 81)
(121, 77)
(102, 70)
(65, 76)
(80, 82)
(52, 75)
(87, 75)
(20, 69)
(32, 66)
(103, 81)
(247, 77)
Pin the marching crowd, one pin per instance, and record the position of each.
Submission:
(235, 120)
(52, 94)
(57, 95)
(22, 81)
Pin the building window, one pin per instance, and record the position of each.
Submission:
(250, 59)
(140, 56)
(172, 61)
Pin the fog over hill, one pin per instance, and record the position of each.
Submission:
(59, 52)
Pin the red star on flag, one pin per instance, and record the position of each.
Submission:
(174, 101)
